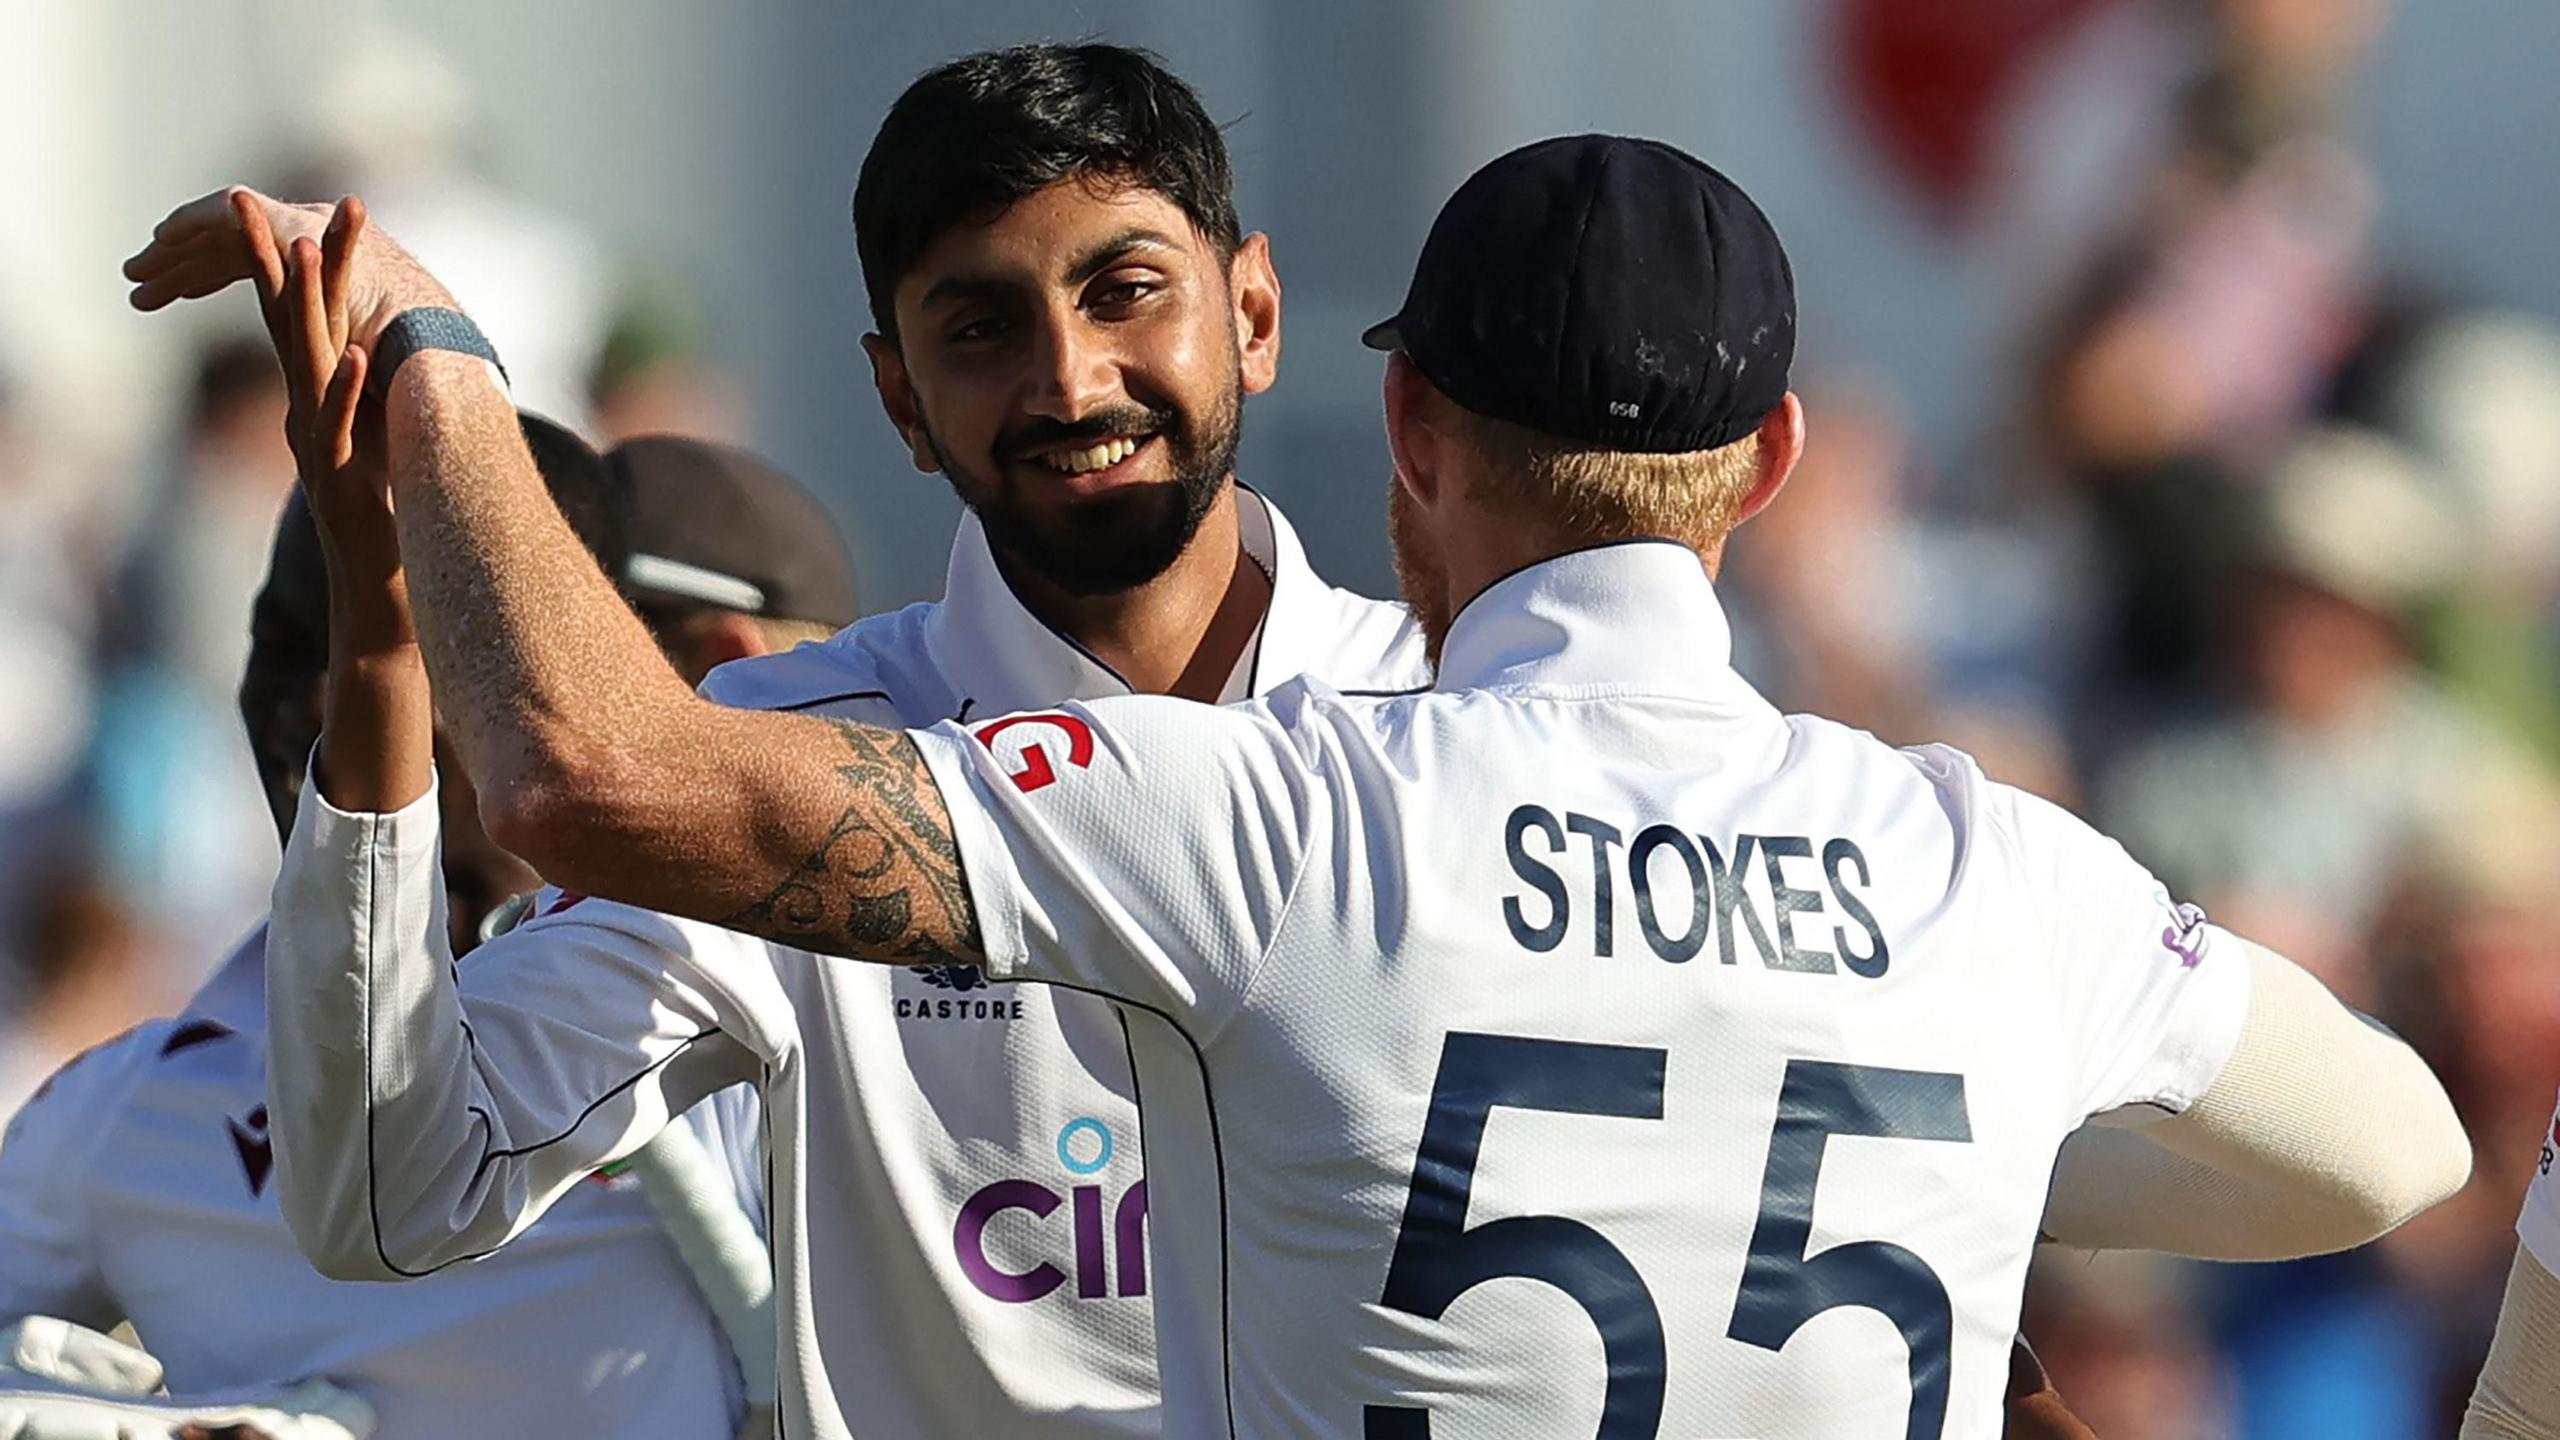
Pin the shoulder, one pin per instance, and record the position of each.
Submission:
(1930, 804)
(75, 1106)
(2042, 856)
(877, 669)
(1172, 750)
(1373, 646)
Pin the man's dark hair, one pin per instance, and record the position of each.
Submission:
(975, 135)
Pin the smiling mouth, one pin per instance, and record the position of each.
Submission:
(1092, 457)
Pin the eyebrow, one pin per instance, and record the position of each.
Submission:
(1091, 261)
(1101, 256)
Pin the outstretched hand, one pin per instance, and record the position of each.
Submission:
(337, 439)
(212, 243)
(311, 270)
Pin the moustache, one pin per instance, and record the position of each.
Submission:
(1120, 422)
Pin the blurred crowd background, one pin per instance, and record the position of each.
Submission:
(2182, 375)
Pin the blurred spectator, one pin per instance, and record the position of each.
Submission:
(2120, 1334)
(655, 375)
(2478, 395)
(173, 812)
(184, 599)
(45, 620)
(1854, 601)
(88, 977)
(395, 123)
(2137, 119)
(47, 624)
(2338, 765)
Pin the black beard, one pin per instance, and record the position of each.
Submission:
(1117, 542)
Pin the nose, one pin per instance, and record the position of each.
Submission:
(1073, 372)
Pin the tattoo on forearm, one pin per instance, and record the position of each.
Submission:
(886, 880)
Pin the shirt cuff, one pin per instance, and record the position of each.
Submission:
(995, 886)
(341, 833)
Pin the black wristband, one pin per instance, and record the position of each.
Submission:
(428, 327)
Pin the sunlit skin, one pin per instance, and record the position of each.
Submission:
(1080, 313)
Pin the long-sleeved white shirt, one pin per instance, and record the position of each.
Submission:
(957, 1197)
(139, 1185)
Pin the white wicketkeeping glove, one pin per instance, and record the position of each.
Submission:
(60, 1381)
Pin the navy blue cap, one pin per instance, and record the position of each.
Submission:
(1612, 292)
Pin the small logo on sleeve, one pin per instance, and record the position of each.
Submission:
(257, 1152)
(2185, 936)
(1031, 741)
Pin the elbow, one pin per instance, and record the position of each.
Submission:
(346, 1266)
(2410, 1168)
(334, 1235)
(2434, 1161)
(558, 808)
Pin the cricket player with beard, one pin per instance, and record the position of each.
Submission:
(1295, 899)
(1070, 322)
(1038, 176)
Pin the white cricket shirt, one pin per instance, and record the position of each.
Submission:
(958, 1202)
(139, 1185)
(1584, 1048)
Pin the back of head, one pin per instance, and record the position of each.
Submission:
(715, 535)
(971, 137)
(289, 622)
(1575, 494)
(1607, 324)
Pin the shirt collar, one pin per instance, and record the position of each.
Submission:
(1001, 657)
(236, 994)
(1636, 615)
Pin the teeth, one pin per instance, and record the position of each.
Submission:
(1099, 457)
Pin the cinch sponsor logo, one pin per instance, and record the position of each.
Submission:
(1109, 1261)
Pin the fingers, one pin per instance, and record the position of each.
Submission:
(180, 230)
(338, 408)
(266, 262)
(206, 244)
(192, 281)
(307, 352)
(337, 250)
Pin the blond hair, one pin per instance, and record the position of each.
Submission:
(783, 634)
(1583, 494)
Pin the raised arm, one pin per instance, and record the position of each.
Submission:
(492, 1102)
(600, 766)
(596, 763)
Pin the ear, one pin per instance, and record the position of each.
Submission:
(898, 398)
(1781, 446)
(729, 636)
(1414, 445)
(1255, 287)
(709, 639)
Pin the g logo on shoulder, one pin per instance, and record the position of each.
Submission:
(1032, 766)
